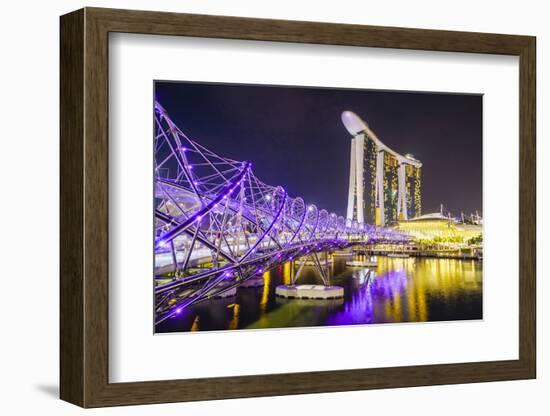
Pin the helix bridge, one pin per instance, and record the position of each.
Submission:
(217, 225)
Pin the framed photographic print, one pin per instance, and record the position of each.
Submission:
(260, 207)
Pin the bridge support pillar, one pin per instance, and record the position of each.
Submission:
(402, 192)
(356, 201)
(380, 214)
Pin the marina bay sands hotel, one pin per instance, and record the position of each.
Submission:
(384, 186)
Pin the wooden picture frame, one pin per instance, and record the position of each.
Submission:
(84, 207)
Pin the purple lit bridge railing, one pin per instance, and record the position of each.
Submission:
(217, 225)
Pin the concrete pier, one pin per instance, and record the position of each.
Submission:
(309, 291)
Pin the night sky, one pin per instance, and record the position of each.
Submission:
(295, 138)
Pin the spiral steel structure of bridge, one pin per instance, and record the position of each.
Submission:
(217, 225)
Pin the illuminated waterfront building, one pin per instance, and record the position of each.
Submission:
(384, 186)
(436, 225)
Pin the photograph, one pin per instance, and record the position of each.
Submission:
(289, 206)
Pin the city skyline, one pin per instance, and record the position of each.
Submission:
(295, 138)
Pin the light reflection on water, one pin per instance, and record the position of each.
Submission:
(396, 290)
